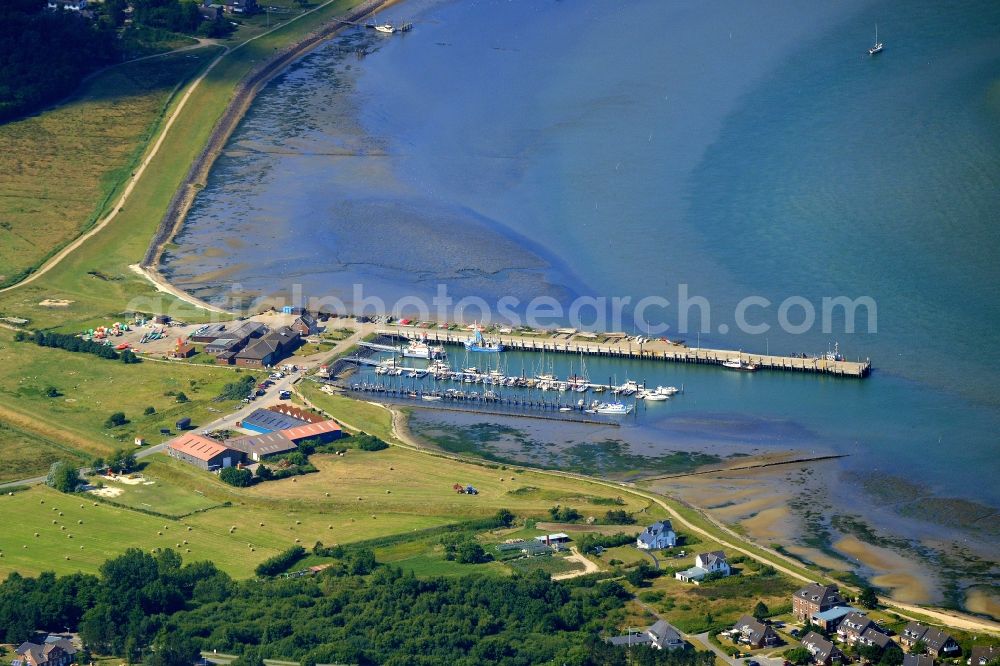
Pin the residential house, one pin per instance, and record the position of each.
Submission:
(203, 452)
(660, 635)
(70, 5)
(823, 651)
(657, 536)
(853, 625)
(815, 598)
(754, 633)
(210, 12)
(268, 349)
(874, 637)
(305, 325)
(665, 636)
(59, 652)
(705, 564)
(980, 655)
(240, 6)
(938, 643)
(918, 660)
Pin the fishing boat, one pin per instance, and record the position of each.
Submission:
(477, 343)
(387, 28)
(423, 350)
(613, 408)
(878, 46)
(739, 364)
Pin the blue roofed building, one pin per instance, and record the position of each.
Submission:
(265, 421)
(830, 619)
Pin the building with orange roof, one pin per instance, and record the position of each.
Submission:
(203, 452)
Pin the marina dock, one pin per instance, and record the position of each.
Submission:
(652, 350)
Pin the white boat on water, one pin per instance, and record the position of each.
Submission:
(878, 46)
(653, 396)
(739, 364)
(387, 28)
(613, 409)
(423, 350)
(431, 398)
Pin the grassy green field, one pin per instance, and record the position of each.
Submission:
(237, 528)
(63, 167)
(401, 480)
(124, 241)
(72, 424)
(27, 454)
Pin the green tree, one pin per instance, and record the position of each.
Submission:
(52, 392)
(115, 420)
(760, 611)
(241, 478)
(470, 552)
(918, 648)
(173, 650)
(180, 397)
(798, 655)
(149, 411)
(63, 477)
(868, 598)
(122, 461)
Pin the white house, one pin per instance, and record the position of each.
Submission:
(72, 5)
(656, 536)
(705, 564)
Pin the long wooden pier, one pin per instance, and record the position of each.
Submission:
(652, 350)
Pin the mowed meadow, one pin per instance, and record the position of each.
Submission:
(36, 430)
(64, 167)
(177, 506)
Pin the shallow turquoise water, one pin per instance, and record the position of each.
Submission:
(600, 148)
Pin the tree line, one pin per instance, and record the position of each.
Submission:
(154, 607)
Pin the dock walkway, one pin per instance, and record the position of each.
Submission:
(654, 350)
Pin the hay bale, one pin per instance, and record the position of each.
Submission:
(373, 516)
(262, 524)
(159, 534)
(189, 528)
(41, 501)
(69, 536)
(79, 522)
(37, 534)
(388, 492)
(298, 540)
(55, 522)
(329, 527)
(62, 527)
(298, 522)
(327, 494)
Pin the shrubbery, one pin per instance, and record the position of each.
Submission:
(241, 478)
(281, 562)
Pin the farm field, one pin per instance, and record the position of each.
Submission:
(90, 389)
(237, 528)
(124, 241)
(398, 479)
(62, 167)
(28, 454)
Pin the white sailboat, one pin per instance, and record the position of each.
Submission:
(878, 46)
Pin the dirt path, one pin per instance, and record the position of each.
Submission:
(56, 259)
(589, 567)
(165, 287)
(150, 154)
